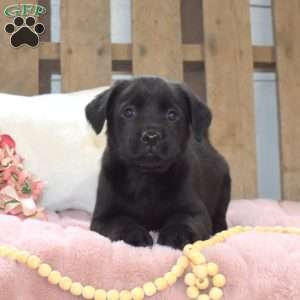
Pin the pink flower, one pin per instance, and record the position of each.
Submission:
(19, 191)
(11, 173)
(36, 189)
(6, 139)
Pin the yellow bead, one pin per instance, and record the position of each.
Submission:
(212, 269)
(219, 280)
(22, 257)
(161, 283)
(192, 292)
(6, 250)
(203, 297)
(215, 293)
(285, 229)
(65, 283)
(210, 243)
(227, 234)
(202, 284)
(12, 254)
(125, 295)
(259, 228)
(188, 249)
(54, 277)
(291, 230)
(149, 289)
(197, 258)
(296, 230)
(137, 294)
(268, 229)
(219, 238)
(112, 295)
(170, 278)
(190, 279)
(199, 245)
(278, 229)
(76, 289)
(100, 295)
(238, 229)
(88, 292)
(177, 270)
(33, 262)
(3, 251)
(183, 262)
(248, 228)
(44, 270)
(200, 271)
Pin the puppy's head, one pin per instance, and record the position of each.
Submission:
(149, 121)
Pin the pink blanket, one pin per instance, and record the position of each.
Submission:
(256, 265)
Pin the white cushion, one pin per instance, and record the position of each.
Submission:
(58, 145)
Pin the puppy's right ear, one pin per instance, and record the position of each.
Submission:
(95, 111)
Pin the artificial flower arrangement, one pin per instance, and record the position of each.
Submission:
(19, 190)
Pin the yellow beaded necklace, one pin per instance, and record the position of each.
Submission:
(204, 282)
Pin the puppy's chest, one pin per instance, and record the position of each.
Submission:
(147, 194)
(149, 202)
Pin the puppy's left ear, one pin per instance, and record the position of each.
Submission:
(95, 111)
(200, 114)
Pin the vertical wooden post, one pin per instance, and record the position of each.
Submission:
(157, 40)
(286, 25)
(229, 71)
(45, 67)
(192, 33)
(85, 44)
(19, 66)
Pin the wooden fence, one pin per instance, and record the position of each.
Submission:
(86, 56)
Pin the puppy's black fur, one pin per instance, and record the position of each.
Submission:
(159, 172)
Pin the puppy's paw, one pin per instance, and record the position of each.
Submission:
(176, 236)
(138, 236)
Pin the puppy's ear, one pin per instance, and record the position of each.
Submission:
(200, 114)
(95, 111)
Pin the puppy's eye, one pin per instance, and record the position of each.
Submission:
(172, 115)
(129, 113)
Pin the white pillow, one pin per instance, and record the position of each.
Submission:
(58, 145)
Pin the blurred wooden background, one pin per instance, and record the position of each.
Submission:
(216, 59)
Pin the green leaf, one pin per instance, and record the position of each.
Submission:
(26, 188)
(12, 202)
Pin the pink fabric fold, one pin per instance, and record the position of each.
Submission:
(257, 266)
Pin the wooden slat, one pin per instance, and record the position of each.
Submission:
(229, 69)
(122, 52)
(264, 55)
(287, 24)
(193, 53)
(49, 51)
(46, 20)
(191, 22)
(19, 66)
(45, 68)
(190, 53)
(85, 44)
(157, 40)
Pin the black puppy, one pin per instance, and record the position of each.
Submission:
(159, 171)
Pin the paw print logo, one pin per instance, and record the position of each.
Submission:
(24, 31)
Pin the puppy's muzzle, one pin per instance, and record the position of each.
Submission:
(151, 137)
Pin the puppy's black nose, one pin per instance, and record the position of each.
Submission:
(150, 137)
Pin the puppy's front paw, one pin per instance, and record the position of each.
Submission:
(138, 236)
(176, 236)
